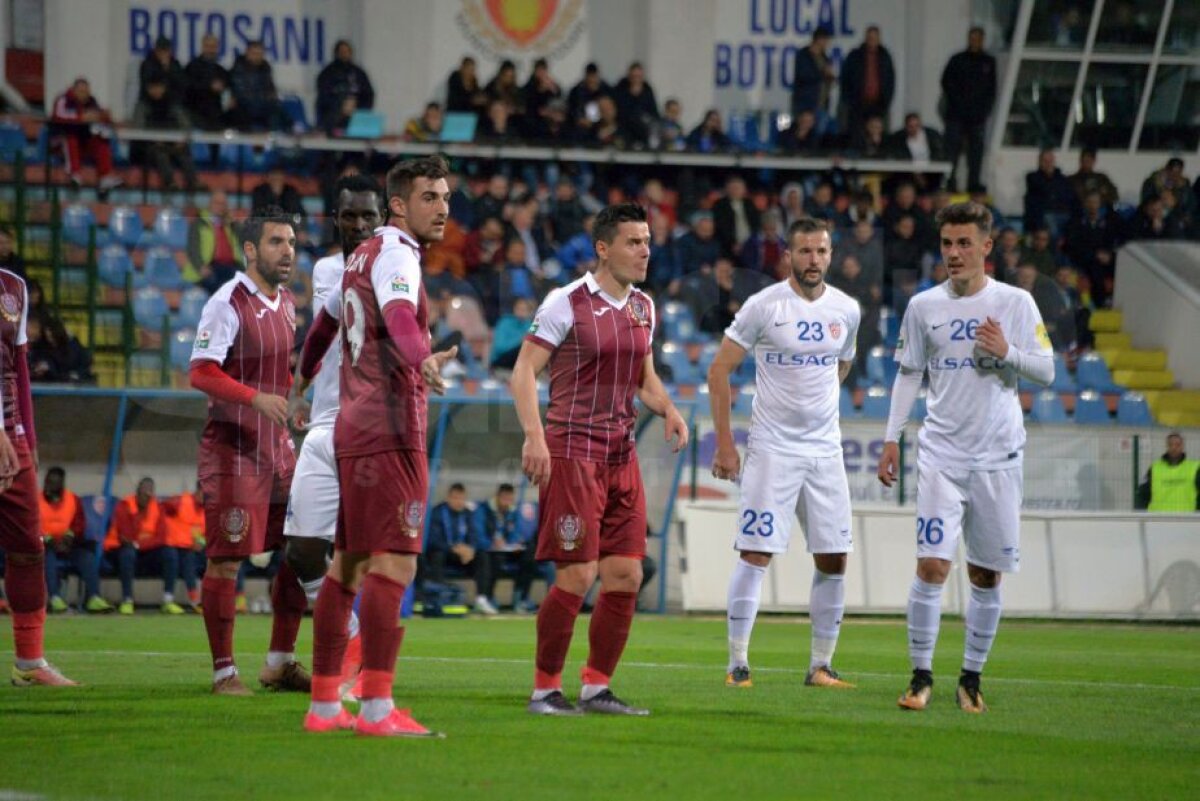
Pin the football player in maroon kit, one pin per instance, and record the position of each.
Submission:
(379, 440)
(20, 514)
(595, 335)
(240, 359)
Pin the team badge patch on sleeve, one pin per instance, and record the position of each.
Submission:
(1042, 337)
(202, 340)
(399, 283)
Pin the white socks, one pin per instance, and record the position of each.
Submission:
(224, 673)
(325, 709)
(374, 710)
(590, 691)
(311, 588)
(924, 620)
(277, 659)
(745, 588)
(825, 607)
(983, 618)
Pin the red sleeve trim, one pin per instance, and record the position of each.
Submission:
(208, 377)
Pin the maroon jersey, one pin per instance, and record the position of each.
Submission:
(382, 402)
(251, 337)
(14, 310)
(598, 345)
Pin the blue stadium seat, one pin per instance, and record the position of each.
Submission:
(1090, 409)
(708, 352)
(171, 228)
(77, 219)
(181, 348)
(919, 408)
(746, 372)
(677, 322)
(202, 155)
(365, 125)
(113, 264)
(1063, 380)
(881, 367)
(682, 369)
(846, 403)
(1092, 373)
(293, 107)
(161, 270)
(125, 226)
(12, 142)
(191, 304)
(1133, 410)
(876, 403)
(149, 307)
(304, 262)
(1048, 408)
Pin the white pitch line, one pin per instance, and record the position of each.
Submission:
(1103, 685)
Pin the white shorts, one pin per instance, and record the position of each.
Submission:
(313, 503)
(983, 505)
(779, 489)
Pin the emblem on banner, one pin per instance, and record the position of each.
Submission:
(508, 28)
(234, 523)
(570, 532)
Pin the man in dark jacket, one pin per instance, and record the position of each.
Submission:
(205, 82)
(735, 217)
(868, 82)
(1091, 244)
(814, 78)
(158, 110)
(258, 107)
(454, 541)
(969, 92)
(161, 65)
(637, 109)
(1049, 198)
(342, 88)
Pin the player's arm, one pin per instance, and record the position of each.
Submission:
(1030, 353)
(844, 370)
(654, 395)
(535, 454)
(726, 461)
(321, 336)
(910, 353)
(218, 329)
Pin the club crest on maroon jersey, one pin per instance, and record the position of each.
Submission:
(835, 330)
(234, 523)
(412, 513)
(639, 311)
(10, 307)
(570, 531)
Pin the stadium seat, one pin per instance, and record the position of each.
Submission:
(304, 262)
(149, 308)
(77, 220)
(191, 304)
(12, 142)
(1092, 373)
(125, 226)
(881, 367)
(202, 154)
(876, 403)
(181, 348)
(161, 270)
(171, 228)
(1133, 410)
(743, 402)
(145, 369)
(1063, 380)
(846, 403)
(682, 370)
(1090, 409)
(365, 125)
(677, 322)
(293, 107)
(707, 354)
(746, 372)
(1048, 408)
(113, 264)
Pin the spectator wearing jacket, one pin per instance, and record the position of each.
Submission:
(453, 542)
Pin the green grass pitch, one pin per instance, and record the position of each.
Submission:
(1084, 711)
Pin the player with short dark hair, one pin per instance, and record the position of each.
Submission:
(240, 359)
(379, 440)
(595, 335)
(977, 338)
(802, 333)
(20, 529)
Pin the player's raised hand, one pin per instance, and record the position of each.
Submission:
(273, 407)
(727, 463)
(431, 369)
(990, 337)
(675, 429)
(889, 464)
(535, 460)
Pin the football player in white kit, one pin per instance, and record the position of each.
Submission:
(976, 337)
(313, 504)
(802, 332)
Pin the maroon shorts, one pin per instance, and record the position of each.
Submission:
(589, 510)
(243, 515)
(20, 515)
(383, 502)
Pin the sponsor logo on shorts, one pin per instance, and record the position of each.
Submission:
(234, 523)
(10, 307)
(570, 532)
(411, 514)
